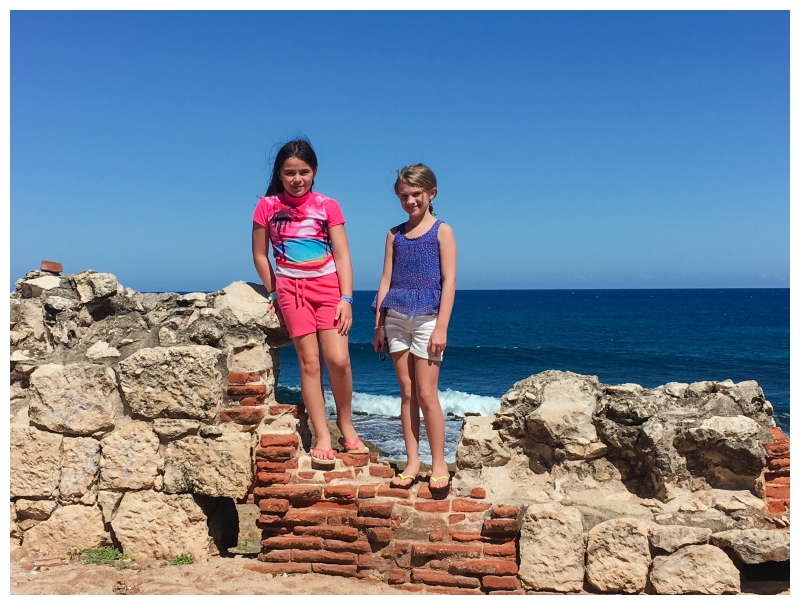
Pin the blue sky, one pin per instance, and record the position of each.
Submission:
(575, 149)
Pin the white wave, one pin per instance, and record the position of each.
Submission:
(454, 402)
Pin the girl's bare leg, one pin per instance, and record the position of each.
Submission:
(337, 359)
(426, 374)
(409, 413)
(307, 349)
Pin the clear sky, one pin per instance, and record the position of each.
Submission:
(573, 149)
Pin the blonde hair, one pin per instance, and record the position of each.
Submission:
(417, 175)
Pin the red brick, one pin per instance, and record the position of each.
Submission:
(330, 505)
(397, 576)
(278, 568)
(273, 505)
(509, 549)
(500, 582)
(275, 454)
(374, 456)
(272, 478)
(386, 472)
(401, 547)
(250, 499)
(399, 520)
(778, 480)
(292, 542)
(307, 474)
(353, 459)
(436, 536)
(323, 556)
(424, 491)
(452, 519)
(282, 408)
(366, 522)
(275, 556)
(777, 433)
(341, 517)
(777, 492)
(304, 517)
(500, 526)
(249, 401)
(345, 492)
(370, 561)
(505, 592)
(375, 509)
(484, 566)
(270, 467)
(240, 390)
(405, 587)
(777, 506)
(331, 475)
(268, 520)
(335, 570)
(384, 491)
(51, 266)
(777, 449)
(280, 440)
(292, 462)
(380, 535)
(468, 506)
(434, 506)
(505, 512)
(442, 578)
(778, 464)
(440, 551)
(243, 415)
(329, 532)
(367, 491)
(359, 546)
(290, 492)
(478, 492)
(772, 475)
(466, 536)
(243, 377)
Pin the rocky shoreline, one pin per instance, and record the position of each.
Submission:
(148, 421)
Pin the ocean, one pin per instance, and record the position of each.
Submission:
(497, 337)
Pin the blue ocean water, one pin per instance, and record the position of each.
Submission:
(648, 337)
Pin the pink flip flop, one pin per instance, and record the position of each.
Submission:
(329, 452)
(354, 447)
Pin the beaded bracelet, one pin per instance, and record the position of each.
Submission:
(272, 296)
(347, 298)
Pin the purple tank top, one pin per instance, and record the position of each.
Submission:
(416, 287)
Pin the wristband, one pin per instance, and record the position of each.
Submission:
(347, 298)
(272, 296)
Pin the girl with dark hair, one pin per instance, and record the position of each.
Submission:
(312, 284)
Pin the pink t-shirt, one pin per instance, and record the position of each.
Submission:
(299, 232)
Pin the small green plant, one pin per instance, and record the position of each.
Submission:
(182, 560)
(107, 555)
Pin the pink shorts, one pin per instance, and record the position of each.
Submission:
(309, 304)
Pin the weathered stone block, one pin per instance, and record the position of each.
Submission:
(129, 458)
(35, 463)
(68, 528)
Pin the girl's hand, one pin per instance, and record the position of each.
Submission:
(379, 341)
(438, 341)
(271, 309)
(344, 315)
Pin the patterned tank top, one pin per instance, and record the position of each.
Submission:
(416, 287)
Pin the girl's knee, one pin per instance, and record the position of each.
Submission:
(428, 399)
(338, 364)
(309, 365)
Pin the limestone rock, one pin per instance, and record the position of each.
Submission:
(130, 458)
(35, 462)
(153, 525)
(68, 528)
(108, 503)
(79, 470)
(34, 509)
(672, 537)
(75, 398)
(551, 547)
(101, 349)
(480, 444)
(91, 285)
(618, 556)
(753, 546)
(245, 303)
(56, 304)
(180, 381)
(169, 428)
(33, 288)
(212, 467)
(702, 569)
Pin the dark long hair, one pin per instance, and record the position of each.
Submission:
(300, 149)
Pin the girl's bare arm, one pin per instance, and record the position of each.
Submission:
(344, 270)
(261, 259)
(447, 259)
(386, 281)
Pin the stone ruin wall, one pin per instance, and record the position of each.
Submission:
(138, 419)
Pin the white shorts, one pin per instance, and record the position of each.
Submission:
(410, 332)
